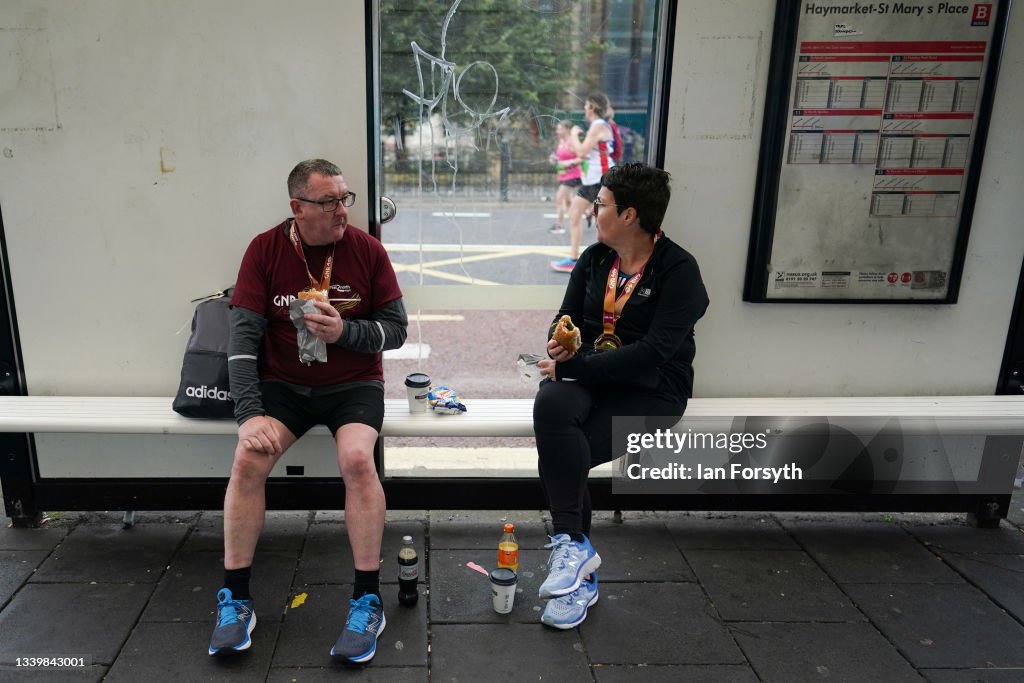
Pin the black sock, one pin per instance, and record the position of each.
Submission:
(237, 581)
(578, 537)
(366, 582)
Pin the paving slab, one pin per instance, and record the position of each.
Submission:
(770, 585)
(641, 550)
(1015, 514)
(1001, 577)
(338, 516)
(461, 529)
(15, 568)
(31, 539)
(960, 538)
(942, 625)
(983, 675)
(186, 517)
(695, 673)
(871, 553)
(327, 555)
(69, 619)
(459, 594)
(107, 553)
(656, 623)
(84, 674)
(507, 652)
(311, 629)
(820, 651)
(371, 673)
(188, 591)
(283, 531)
(742, 532)
(155, 650)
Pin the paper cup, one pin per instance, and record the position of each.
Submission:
(503, 589)
(417, 385)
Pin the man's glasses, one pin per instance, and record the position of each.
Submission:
(331, 205)
(598, 204)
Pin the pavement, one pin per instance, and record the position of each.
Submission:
(683, 596)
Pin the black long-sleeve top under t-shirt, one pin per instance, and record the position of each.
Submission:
(656, 327)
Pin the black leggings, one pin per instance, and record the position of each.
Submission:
(573, 424)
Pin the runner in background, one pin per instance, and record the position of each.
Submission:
(567, 164)
(595, 150)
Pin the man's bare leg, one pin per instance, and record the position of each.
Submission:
(245, 501)
(364, 495)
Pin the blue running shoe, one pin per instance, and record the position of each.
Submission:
(570, 610)
(568, 563)
(564, 266)
(358, 642)
(235, 622)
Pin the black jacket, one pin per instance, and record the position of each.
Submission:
(656, 327)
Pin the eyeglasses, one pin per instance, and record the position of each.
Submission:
(331, 205)
(598, 204)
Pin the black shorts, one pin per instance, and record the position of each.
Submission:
(363, 404)
(571, 182)
(589, 192)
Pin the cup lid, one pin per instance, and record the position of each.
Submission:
(503, 576)
(417, 379)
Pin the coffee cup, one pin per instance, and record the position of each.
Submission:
(503, 589)
(417, 385)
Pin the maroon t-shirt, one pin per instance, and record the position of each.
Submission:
(272, 274)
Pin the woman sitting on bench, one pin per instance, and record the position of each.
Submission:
(635, 297)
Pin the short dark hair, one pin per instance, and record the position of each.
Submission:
(643, 187)
(298, 179)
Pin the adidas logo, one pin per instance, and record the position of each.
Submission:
(208, 392)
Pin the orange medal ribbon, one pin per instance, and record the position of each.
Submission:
(325, 280)
(613, 305)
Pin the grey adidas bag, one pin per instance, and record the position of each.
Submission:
(204, 390)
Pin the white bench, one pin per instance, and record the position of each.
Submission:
(993, 415)
(485, 417)
(153, 415)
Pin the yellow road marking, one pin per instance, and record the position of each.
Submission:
(414, 268)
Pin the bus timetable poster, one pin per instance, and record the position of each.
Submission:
(869, 161)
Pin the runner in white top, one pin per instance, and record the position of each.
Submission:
(595, 149)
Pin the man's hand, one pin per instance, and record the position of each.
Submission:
(326, 325)
(259, 434)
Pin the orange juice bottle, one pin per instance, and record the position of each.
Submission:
(508, 548)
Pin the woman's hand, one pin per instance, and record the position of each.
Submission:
(547, 368)
(559, 352)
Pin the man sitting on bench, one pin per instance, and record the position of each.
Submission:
(348, 276)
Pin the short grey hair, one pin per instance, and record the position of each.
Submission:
(298, 179)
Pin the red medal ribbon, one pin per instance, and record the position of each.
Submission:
(325, 280)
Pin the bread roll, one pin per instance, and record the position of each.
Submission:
(567, 334)
(314, 295)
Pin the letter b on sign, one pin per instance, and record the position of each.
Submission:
(981, 15)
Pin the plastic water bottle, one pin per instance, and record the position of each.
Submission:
(508, 548)
(408, 573)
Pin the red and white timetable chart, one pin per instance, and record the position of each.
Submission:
(883, 111)
(905, 108)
